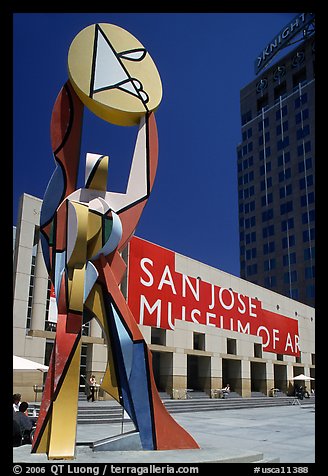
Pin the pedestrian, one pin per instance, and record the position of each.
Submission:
(25, 422)
(17, 435)
(16, 401)
(92, 383)
(225, 391)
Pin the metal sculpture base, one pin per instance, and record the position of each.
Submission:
(125, 442)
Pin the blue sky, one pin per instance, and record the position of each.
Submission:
(204, 59)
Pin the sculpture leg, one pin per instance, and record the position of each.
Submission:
(134, 374)
(58, 409)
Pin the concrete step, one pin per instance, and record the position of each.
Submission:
(257, 394)
(174, 406)
(196, 394)
(111, 411)
(164, 395)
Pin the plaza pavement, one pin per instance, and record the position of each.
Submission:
(284, 434)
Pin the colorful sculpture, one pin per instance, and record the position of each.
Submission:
(83, 232)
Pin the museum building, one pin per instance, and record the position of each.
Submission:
(205, 328)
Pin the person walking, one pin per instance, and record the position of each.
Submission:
(92, 383)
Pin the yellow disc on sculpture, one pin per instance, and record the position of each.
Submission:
(113, 74)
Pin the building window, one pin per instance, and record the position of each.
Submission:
(299, 77)
(309, 253)
(30, 295)
(307, 199)
(302, 132)
(281, 112)
(305, 164)
(250, 237)
(265, 168)
(266, 199)
(302, 99)
(250, 222)
(301, 116)
(265, 153)
(288, 241)
(268, 231)
(264, 138)
(198, 341)
(290, 277)
(280, 356)
(294, 293)
(251, 254)
(309, 272)
(270, 281)
(282, 128)
(86, 329)
(264, 123)
(286, 208)
(284, 158)
(307, 217)
(266, 183)
(303, 148)
(246, 117)
(267, 215)
(269, 264)
(268, 248)
(247, 134)
(306, 182)
(285, 175)
(280, 91)
(289, 259)
(262, 103)
(158, 336)
(251, 269)
(32, 274)
(231, 346)
(308, 235)
(281, 144)
(285, 191)
(287, 224)
(258, 350)
(83, 367)
(310, 291)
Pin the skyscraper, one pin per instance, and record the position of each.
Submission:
(276, 175)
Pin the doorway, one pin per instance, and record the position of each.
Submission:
(163, 369)
(199, 373)
(258, 377)
(231, 374)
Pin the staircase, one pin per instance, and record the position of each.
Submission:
(110, 411)
(233, 402)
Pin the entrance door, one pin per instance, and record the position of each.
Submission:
(162, 368)
(199, 373)
(231, 374)
(280, 377)
(258, 377)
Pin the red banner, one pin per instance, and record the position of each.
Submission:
(158, 295)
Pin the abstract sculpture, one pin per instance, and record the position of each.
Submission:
(83, 232)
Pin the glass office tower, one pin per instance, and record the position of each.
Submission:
(276, 176)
